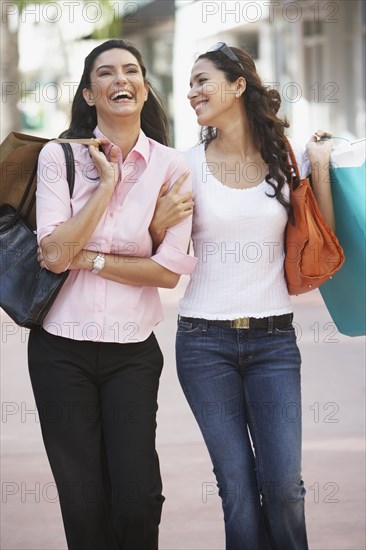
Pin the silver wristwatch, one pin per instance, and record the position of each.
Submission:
(98, 263)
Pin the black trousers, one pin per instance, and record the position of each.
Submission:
(97, 405)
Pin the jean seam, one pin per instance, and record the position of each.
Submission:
(258, 450)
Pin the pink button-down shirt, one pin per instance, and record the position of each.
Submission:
(90, 307)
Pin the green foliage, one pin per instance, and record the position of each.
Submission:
(109, 30)
(111, 25)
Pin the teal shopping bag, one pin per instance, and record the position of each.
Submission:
(344, 295)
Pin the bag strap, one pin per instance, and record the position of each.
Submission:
(81, 141)
(294, 164)
(70, 166)
(70, 176)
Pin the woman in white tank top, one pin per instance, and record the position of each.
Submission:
(237, 356)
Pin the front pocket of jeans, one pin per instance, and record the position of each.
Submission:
(285, 330)
(185, 327)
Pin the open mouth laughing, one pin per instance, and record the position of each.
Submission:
(121, 96)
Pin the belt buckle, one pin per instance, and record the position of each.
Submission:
(242, 322)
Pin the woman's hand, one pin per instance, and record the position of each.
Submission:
(40, 258)
(171, 208)
(107, 168)
(319, 149)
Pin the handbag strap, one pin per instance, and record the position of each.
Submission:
(294, 165)
(70, 166)
(70, 176)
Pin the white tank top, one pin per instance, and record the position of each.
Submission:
(238, 238)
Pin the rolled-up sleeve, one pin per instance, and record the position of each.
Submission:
(172, 252)
(174, 259)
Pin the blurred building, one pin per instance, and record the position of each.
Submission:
(312, 52)
(150, 27)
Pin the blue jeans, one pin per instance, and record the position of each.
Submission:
(243, 386)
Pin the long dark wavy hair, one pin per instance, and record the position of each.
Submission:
(261, 106)
(154, 121)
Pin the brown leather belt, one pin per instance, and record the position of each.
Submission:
(274, 321)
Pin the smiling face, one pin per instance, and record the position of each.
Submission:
(117, 86)
(212, 96)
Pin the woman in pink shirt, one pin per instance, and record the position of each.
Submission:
(95, 364)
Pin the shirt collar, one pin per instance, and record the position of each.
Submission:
(142, 145)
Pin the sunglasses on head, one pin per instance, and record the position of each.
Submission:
(222, 47)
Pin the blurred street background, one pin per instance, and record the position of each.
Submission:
(333, 411)
(313, 53)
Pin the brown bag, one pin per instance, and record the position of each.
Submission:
(18, 162)
(313, 253)
(18, 166)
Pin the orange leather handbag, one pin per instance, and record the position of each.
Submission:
(313, 253)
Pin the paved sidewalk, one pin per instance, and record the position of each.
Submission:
(333, 379)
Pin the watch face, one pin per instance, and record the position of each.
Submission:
(98, 263)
